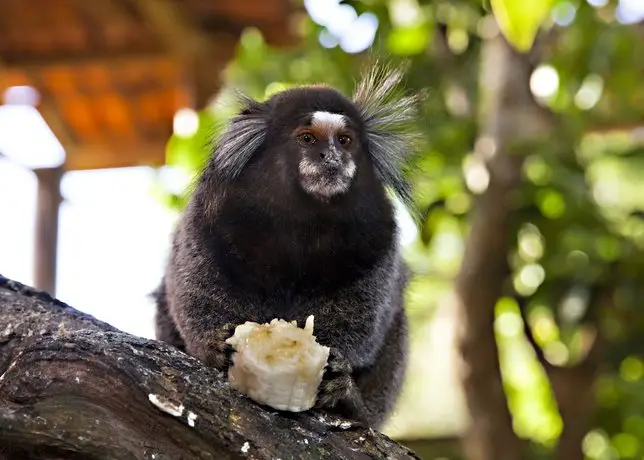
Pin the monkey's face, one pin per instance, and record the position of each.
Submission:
(315, 140)
(328, 147)
(327, 144)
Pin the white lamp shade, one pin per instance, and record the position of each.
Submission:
(26, 138)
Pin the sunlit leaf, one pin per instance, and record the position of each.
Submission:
(551, 203)
(520, 20)
(626, 444)
(407, 41)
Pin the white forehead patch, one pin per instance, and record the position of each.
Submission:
(328, 121)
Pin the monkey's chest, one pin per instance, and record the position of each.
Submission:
(290, 267)
(292, 271)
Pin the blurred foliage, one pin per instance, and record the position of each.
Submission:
(520, 21)
(579, 216)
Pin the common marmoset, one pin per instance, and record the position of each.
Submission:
(290, 217)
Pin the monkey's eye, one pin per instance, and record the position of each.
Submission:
(307, 138)
(344, 140)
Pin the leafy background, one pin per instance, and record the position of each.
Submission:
(578, 221)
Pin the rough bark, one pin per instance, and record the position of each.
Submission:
(74, 387)
(509, 118)
(435, 448)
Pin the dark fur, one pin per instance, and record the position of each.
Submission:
(253, 246)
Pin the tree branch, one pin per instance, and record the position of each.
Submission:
(587, 365)
(74, 387)
(527, 331)
(572, 386)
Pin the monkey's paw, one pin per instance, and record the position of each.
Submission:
(214, 350)
(338, 391)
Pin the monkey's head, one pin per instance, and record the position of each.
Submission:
(316, 137)
(315, 142)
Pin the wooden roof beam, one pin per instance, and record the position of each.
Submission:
(50, 112)
(75, 60)
(202, 56)
(101, 156)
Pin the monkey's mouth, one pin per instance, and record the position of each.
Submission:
(325, 181)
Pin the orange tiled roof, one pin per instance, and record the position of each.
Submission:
(112, 73)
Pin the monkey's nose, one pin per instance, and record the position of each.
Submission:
(331, 157)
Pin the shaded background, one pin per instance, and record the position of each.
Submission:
(526, 318)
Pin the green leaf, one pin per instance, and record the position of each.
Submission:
(407, 41)
(519, 20)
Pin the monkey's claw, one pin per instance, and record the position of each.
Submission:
(216, 352)
(338, 390)
(337, 381)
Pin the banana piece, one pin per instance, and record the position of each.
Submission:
(277, 364)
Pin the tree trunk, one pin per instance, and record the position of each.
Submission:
(509, 116)
(74, 387)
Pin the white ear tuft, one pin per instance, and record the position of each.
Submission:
(245, 133)
(389, 117)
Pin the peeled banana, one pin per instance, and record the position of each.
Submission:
(277, 364)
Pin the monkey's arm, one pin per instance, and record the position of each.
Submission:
(366, 328)
(368, 394)
(380, 383)
(205, 314)
(165, 328)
